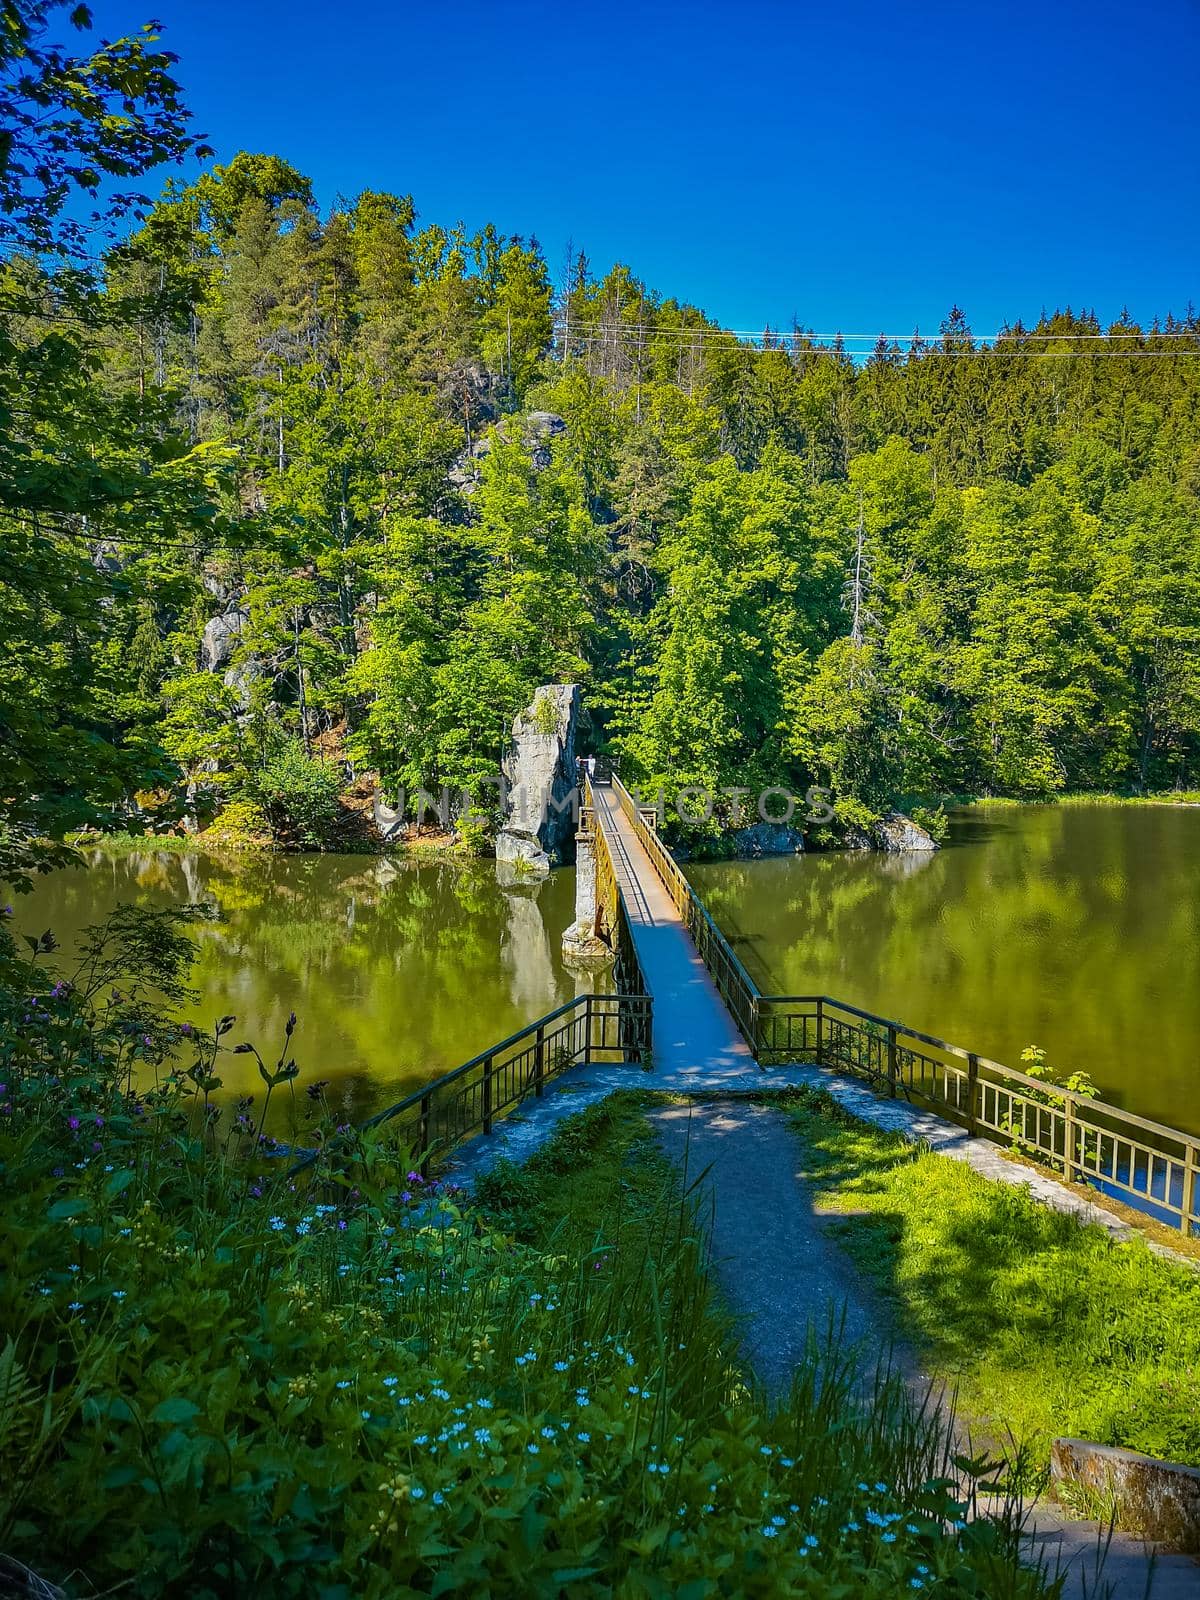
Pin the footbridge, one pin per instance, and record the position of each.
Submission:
(686, 1010)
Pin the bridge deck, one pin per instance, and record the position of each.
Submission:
(695, 1038)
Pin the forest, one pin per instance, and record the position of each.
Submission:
(296, 499)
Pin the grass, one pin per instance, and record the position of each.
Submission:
(216, 1380)
(1047, 1326)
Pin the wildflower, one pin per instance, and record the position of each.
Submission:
(483, 1435)
(533, 1449)
(342, 1383)
(770, 1533)
(584, 1438)
(439, 1394)
(422, 1438)
(118, 1294)
(779, 1522)
(73, 1124)
(787, 1461)
(850, 1527)
(438, 1497)
(366, 1416)
(764, 1450)
(916, 1583)
(484, 1405)
(811, 1542)
(889, 1538)
(277, 1224)
(416, 1493)
(76, 1305)
(561, 1366)
(390, 1383)
(547, 1433)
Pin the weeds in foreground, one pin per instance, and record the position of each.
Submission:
(217, 1380)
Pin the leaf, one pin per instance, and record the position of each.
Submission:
(175, 1409)
(118, 1183)
(74, 1205)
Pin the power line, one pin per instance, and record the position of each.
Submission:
(788, 345)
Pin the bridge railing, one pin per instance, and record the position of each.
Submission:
(1149, 1166)
(474, 1097)
(734, 983)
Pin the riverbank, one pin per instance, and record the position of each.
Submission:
(370, 1387)
(1046, 1325)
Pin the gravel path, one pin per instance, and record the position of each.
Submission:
(784, 1276)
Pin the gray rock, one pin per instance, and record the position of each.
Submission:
(894, 833)
(897, 832)
(522, 853)
(389, 824)
(539, 767)
(768, 839)
(1161, 1499)
(221, 634)
(538, 429)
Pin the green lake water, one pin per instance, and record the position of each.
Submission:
(1076, 928)
(397, 971)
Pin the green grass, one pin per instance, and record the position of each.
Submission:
(1047, 1326)
(214, 1381)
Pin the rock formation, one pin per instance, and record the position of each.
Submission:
(221, 634)
(894, 832)
(539, 768)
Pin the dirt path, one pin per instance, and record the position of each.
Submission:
(785, 1276)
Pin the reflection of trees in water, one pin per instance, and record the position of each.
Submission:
(397, 970)
(1077, 928)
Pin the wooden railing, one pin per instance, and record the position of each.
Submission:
(474, 1097)
(1154, 1168)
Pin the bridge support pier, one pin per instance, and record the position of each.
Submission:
(582, 945)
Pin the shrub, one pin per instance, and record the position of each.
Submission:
(299, 796)
(241, 825)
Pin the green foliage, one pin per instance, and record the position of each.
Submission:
(242, 824)
(269, 470)
(299, 796)
(211, 1381)
(1046, 1326)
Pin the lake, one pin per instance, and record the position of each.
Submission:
(1076, 928)
(397, 970)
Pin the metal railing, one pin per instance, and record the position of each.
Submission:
(734, 983)
(474, 1097)
(1149, 1166)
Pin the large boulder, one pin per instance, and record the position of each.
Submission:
(539, 769)
(896, 832)
(221, 634)
(538, 430)
(768, 839)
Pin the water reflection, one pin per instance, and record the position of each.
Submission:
(1077, 928)
(397, 970)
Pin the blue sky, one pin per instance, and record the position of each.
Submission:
(858, 164)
